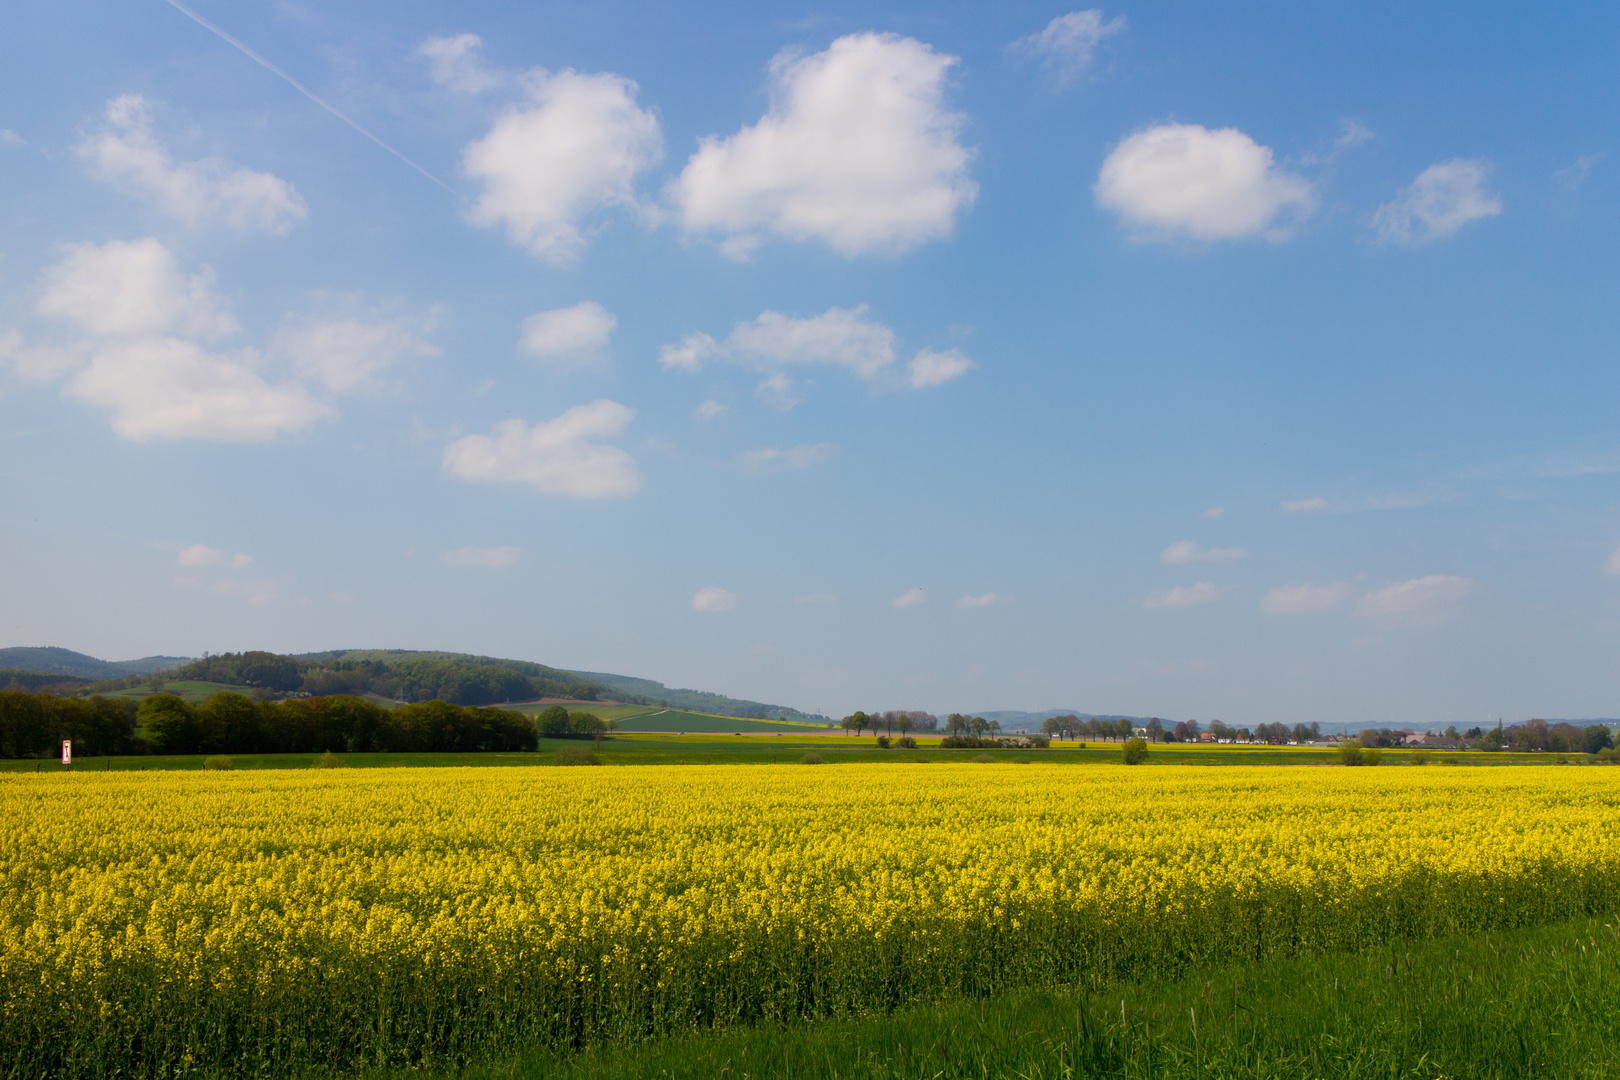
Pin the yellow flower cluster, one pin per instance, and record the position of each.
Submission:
(256, 919)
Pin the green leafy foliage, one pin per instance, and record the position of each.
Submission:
(35, 725)
(231, 723)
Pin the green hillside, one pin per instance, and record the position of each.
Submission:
(696, 700)
(682, 720)
(67, 662)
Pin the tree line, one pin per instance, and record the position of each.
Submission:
(890, 721)
(34, 725)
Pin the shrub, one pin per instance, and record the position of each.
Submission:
(984, 759)
(220, 762)
(328, 760)
(576, 755)
(906, 742)
(1608, 754)
(1136, 751)
(1370, 755)
(1422, 757)
(811, 759)
(883, 742)
(1350, 753)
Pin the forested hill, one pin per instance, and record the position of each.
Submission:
(695, 700)
(67, 662)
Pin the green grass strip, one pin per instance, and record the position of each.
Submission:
(1535, 1003)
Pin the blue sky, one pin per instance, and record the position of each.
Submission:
(1255, 365)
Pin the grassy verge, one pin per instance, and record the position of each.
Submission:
(1535, 1003)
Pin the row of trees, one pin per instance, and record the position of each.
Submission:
(890, 721)
(228, 723)
(35, 725)
(1094, 727)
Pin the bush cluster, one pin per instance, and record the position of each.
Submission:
(557, 722)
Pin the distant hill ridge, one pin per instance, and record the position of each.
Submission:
(59, 661)
(623, 687)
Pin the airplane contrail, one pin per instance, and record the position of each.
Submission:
(302, 89)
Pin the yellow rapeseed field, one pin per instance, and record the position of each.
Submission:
(256, 920)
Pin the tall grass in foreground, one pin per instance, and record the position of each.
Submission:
(1531, 1003)
(260, 922)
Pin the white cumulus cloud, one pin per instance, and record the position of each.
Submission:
(977, 601)
(143, 354)
(555, 457)
(571, 149)
(1303, 599)
(495, 558)
(570, 337)
(126, 153)
(1215, 512)
(1444, 197)
(1421, 600)
(858, 150)
(1303, 506)
(713, 599)
(910, 598)
(132, 288)
(1184, 596)
(708, 410)
(1187, 180)
(166, 388)
(1188, 551)
(1065, 46)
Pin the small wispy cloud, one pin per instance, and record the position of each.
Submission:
(1187, 551)
(1444, 197)
(203, 555)
(769, 459)
(1304, 599)
(1185, 596)
(910, 598)
(1303, 506)
(1215, 512)
(1613, 565)
(710, 409)
(712, 598)
(977, 601)
(1422, 600)
(493, 558)
(1066, 46)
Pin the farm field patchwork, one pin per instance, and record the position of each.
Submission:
(273, 920)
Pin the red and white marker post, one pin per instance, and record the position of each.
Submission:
(67, 751)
